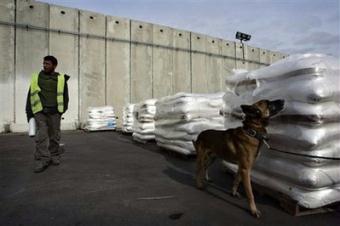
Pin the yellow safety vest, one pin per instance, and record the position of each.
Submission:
(35, 89)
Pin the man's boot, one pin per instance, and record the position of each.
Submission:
(55, 161)
(40, 166)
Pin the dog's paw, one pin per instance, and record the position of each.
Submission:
(208, 179)
(200, 185)
(256, 213)
(236, 194)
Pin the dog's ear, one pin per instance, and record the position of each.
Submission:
(251, 111)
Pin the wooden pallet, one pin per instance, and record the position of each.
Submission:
(291, 206)
(99, 130)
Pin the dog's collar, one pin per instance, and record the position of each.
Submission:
(255, 134)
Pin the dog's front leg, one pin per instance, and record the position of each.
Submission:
(236, 183)
(245, 174)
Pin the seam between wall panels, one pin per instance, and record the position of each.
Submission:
(190, 61)
(152, 48)
(130, 96)
(105, 53)
(48, 27)
(15, 61)
(79, 81)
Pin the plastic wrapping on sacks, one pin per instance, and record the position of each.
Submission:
(310, 90)
(331, 149)
(308, 198)
(144, 120)
(128, 118)
(305, 161)
(301, 136)
(178, 143)
(240, 83)
(172, 147)
(311, 115)
(189, 105)
(294, 112)
(308, 127)
(187, 130)
(297, 171)
(101, 118)
(142, 137)
(145, 126)
(180, 118)
(298, 64)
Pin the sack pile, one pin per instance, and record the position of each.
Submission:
(181, 117)
(307, 130)
(100, 118)
(128, 118)
(144, 121)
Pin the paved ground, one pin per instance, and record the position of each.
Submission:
(107, 179)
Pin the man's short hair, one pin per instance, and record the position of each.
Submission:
(52, 59)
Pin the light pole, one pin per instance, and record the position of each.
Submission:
(242, 37)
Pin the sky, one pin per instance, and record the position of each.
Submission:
(288, 26)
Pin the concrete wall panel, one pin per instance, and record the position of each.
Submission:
(181, 62)
(229, 63)
(92, 62)
(162, 61)
(240, 55)
(118, 64)
(214, 65)
(7, 12)
(275, 56)
(198, 61)
(141, 61)
(265, 57)
(65, 48)
(254, 56)
(31, 47)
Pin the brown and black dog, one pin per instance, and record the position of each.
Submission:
(238, 145)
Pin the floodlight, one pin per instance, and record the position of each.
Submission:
(242, 36)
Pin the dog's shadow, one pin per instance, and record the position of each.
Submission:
(183, 171)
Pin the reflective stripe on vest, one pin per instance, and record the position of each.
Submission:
(35, 89)
(60, 92)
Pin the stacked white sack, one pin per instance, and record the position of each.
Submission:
(308, 126)
(310, 85)
(143, 121)
(100, 118)
(181, 117)
(128, 118)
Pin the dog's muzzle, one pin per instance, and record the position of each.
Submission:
(276, 106)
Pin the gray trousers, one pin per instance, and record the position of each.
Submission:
(47, 136)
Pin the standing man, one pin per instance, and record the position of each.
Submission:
(47, 100)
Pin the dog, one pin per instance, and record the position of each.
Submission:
(238, 145)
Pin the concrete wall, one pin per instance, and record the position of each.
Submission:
(162, 61)
(118, 64)
(181, 77)
(92, 66)
(30, 46)
(7, 73)
(65, 48)
(141, 61)
(110, 60)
